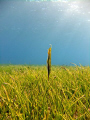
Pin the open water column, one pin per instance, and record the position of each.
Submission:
(28, 27)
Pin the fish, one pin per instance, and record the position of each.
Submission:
(49, 61)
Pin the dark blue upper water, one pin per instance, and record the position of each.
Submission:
(27, 29)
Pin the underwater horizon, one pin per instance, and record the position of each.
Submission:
(28, 28)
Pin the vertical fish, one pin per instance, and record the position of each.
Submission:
(49, 61)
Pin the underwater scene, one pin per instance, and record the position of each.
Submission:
(27, 28)
(44, 59)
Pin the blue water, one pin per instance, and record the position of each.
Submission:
(27, 29)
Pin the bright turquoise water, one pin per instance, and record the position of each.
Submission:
(27, 29)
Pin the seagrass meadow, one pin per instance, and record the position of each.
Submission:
(26, 93)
